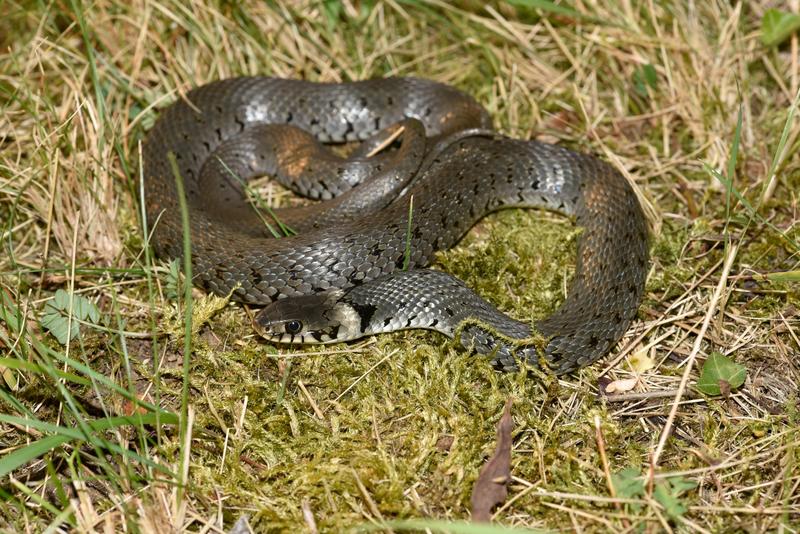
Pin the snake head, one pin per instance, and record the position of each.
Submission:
(318, 318)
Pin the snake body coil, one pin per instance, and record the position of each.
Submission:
(345, 268)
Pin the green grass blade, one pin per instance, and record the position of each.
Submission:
(285, 230)
(28, 453)
(187, 310)
(22, 365)
(63, 435)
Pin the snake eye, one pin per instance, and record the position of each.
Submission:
(293, 327)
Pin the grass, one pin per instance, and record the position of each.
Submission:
(685, 100)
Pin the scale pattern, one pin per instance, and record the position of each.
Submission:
(463, 179)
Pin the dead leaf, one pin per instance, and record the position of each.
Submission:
(619, 386)
(725, 388)
(444, 443)
(491, 488)
(9, 377)
(129, 408)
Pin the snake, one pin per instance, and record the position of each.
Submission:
(426, 166)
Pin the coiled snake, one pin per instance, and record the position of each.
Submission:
(356, 266)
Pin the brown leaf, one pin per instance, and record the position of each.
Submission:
(622, 385)
(491, 488)
(129, 408)
(725, 388)
(444, 443)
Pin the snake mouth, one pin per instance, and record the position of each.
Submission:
(292, 339)
(285, 331)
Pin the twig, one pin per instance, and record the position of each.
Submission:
(712, 306)
(624, 397)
